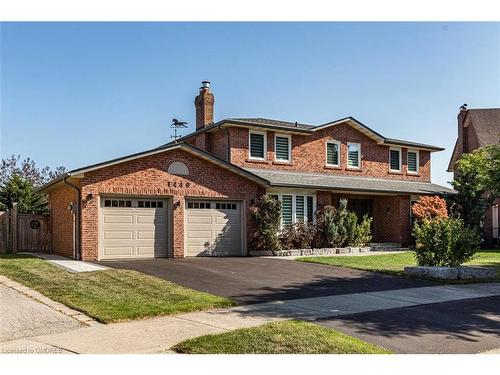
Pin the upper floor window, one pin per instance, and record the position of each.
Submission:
(395, 159)
(282, 147)
(412, 156)
(353, 155)
(257, 145)
(333, 153)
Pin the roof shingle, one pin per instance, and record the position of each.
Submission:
(347, 183)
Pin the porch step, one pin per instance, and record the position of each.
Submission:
(386, 246)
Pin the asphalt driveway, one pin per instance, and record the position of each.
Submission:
(250, 280)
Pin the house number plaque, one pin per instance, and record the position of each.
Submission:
(178, 184)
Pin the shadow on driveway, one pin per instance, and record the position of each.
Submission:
(250, 280)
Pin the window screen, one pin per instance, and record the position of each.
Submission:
(332, 153)
(286, 209)
(282, 148)
(257, 145)
(395, 160)
(412, 162)
(353, 155)
(299, 207)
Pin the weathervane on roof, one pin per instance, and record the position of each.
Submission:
(176, 124)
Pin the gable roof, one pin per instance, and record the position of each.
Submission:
(79, 172)
(307, 129)
(485, 125)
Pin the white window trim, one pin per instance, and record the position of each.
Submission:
(250, 132)
(418, 161)
(359, 155)
(294, 214)
(398, 149)
(289, 136)
(326, 153)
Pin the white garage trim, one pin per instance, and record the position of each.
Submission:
(132, 207)
(214, 203)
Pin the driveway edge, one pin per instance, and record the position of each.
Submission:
(31, 293)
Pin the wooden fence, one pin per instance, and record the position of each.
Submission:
(23, 232)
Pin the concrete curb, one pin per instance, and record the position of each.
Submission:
(28, 292)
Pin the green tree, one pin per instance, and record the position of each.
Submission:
(20, 189)
(477, 182)
(19, 180)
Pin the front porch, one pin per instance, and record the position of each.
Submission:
(391, 213)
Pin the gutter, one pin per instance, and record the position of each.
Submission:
(77, 251)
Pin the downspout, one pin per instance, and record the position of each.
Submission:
(77, 252)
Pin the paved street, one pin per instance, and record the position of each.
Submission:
(159, 334)
(466, 326)
(21, 316)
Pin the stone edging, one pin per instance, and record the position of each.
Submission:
(452, 273)
(302, 252)
(28, 292)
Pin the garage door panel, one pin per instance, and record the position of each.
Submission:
(196, 234)
(112, 235)
(118, 218)
(215, 230)
(198, 219)
(118, 250)
(133, 232)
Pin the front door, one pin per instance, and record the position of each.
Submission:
(361, 207)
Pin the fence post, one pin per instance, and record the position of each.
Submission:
(14, 223)
(8, 239)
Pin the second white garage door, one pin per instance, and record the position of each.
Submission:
(213, 228)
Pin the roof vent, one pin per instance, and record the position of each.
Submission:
(205, 84)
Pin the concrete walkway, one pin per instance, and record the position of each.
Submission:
(68, 264)
(159, 334)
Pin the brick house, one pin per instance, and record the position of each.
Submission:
(191, 197)
(479, 128)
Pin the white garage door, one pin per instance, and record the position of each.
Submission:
(133, 228)
(213, 228)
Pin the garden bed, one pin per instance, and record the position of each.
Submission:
(320, 251)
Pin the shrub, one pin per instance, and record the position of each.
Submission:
(298, 236)
(266, 212)
(338, 227)
(429, 208)
(444, 242)
(363, 232)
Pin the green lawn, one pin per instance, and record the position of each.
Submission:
(286, 337)
(395, 263)
(110, 295)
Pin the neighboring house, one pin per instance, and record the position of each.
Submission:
(479, 128)
(191, 197)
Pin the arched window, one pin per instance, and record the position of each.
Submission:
(178, 168)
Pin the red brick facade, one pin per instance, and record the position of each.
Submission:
(62, 221)
(309, 154)
(148, 176)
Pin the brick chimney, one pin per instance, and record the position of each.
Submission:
(204, 104)
(463, 139)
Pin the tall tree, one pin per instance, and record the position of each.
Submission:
(477, 182)
(19, 180)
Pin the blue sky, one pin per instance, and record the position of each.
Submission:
(79, 93)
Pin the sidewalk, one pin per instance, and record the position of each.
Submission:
(157, 335)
